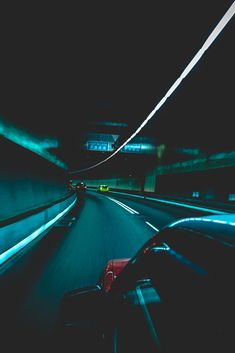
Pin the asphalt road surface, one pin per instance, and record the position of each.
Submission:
(73, 254)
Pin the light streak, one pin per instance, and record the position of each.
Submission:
(214, 34)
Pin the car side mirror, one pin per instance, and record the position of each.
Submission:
(81, 304)
(83, 318)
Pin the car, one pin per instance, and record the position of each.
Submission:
(79, 187)
(103, 188)
(175, 295)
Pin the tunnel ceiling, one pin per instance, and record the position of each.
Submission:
(101, 68)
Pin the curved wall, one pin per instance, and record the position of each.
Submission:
(27, 180)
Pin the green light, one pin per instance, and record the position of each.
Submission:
(31, 143)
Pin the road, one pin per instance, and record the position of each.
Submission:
(99, 228)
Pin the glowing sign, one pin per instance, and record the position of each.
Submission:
(132, 148)
(97, 146)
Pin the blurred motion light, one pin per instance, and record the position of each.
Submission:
(204, 219)
(214, 34)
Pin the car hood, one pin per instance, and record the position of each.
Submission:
(221, 227)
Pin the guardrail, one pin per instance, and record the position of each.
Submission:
(18, 231)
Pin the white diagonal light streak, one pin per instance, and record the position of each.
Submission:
(214, 34)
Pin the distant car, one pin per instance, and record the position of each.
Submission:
(175, 295)
(103, 188)
(78, 186)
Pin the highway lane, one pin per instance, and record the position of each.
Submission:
(71, 257)
(157, 214)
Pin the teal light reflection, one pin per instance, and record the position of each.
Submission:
(201, 219)
(12, 251)
(31, 143)
(205, 209)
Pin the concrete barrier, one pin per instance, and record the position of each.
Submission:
(15, 236)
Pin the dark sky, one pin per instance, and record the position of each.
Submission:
(64, 66)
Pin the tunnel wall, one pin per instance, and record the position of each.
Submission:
(34, 196)
(208, 177)
(27, 180)
(211, 184)
(12, 234)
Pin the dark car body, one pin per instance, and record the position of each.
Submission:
(80, 186)
(175, 295)
(77, 186)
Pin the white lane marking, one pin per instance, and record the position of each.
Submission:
(150, 225)
(131, 209)
(205, 209)
(123, 206)
(127, 194)
(127, 208)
